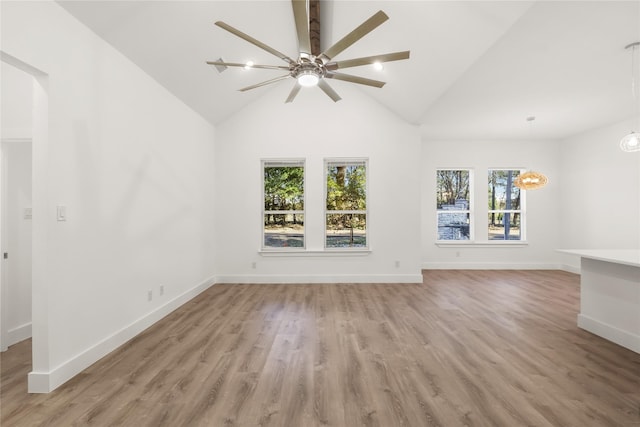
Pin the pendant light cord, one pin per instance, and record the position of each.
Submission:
(631, 142)
(634, 82)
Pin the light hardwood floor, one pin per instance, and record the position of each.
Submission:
(464, 348)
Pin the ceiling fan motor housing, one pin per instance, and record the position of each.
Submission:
(307, 72)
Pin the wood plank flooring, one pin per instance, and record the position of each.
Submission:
(464, 348)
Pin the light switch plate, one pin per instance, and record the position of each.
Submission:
(27, 213)
(61, 213)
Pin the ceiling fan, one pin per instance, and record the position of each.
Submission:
(314, 66)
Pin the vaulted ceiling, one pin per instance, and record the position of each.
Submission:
(477, 68)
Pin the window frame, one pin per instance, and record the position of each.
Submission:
(470, 211)
(284, 162)
(346, 161)
(522, 211)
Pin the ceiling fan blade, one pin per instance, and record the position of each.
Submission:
(356, 62)
(322, 84)
(355, 79)
(255, 42)
(237, 64)
(293, 93)
(365, 28)
(277, 79)
(302, 25)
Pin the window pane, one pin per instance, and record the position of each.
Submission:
(283, 188)
(283, 230)
(453, 189)
(346, 187)
(502, 193)
(346, 230)
(504, 226)
(453, 226)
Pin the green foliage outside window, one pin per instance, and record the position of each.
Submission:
(346, 219)
(346, 188)
(283, 205)
(283, 188)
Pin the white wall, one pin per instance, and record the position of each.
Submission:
(16, 102)
(542, 227)
(314, 128)
(134, 168)
(600, 193)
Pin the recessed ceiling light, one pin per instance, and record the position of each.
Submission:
(377, 66)
(248, 65)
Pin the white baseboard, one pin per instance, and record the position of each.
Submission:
(488, 266)
(18, 334)
(621, 337)
(570, 268)
(321, 278)
(44, 382)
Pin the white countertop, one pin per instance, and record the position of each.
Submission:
(618, 256)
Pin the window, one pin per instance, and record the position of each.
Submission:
(506, 220)
(346, 204)
(283, 207)
(453, 203)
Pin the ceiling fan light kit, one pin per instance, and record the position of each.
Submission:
(313, 67)
(308, 79)
(307, 73)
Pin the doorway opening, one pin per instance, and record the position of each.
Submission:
(24, 137)
(15, 202)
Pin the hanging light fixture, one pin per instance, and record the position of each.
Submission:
(530, 180)
(631, 142)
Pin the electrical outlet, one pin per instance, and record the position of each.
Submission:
(161, 290)
(397, 264)
(253, 265)
(457, 254)
(149, 295)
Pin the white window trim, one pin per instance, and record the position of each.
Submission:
(331, 252)
(470, 211)
(480, 244)
(275, 163)
(346, 161)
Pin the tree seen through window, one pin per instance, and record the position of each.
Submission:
(283, 204)
(346, 205)
(505, 211)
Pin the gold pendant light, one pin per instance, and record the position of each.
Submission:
(530, 180)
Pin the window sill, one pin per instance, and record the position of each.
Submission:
(487, 244)
(315, 253)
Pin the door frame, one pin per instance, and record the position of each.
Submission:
(4, 331)
(4, 274)
(40, 348)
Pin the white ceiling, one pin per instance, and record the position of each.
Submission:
(477, 68)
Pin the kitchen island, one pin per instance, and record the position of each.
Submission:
(610, 294)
